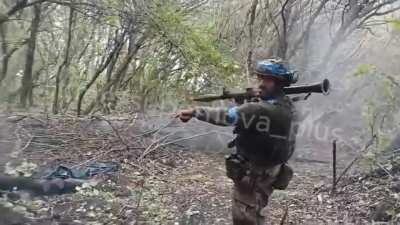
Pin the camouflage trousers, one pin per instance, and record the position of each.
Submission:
(250, 195)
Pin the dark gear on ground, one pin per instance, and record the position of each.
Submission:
(63, 180)
(38, 187)
(84, 173)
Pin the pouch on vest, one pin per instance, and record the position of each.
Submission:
(234, 167)
(283, 178)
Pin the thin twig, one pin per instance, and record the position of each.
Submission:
(153, 146)
(165, 126)
(155, 131)
(369, 143)
(385, 170)
(95, 158)
(151, 149)
(285, 215)
(26, 145)
(115, 130)
(187, 138)
(157, 145)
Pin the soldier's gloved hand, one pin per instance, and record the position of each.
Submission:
(186, 115)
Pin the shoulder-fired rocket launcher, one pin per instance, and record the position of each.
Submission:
(250, 93)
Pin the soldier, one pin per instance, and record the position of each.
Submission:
(265, 138)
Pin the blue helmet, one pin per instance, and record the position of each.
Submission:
(274, 68)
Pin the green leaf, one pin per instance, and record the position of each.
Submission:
(395, 23)
(363, 70)
(113, 20)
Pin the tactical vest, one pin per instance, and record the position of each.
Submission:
(265, 132)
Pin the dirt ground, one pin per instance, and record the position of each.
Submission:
(163, 180)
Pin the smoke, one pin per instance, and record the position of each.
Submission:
(341, 113)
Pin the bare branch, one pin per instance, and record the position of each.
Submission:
(283, 41)
(252, 14)
(310, 23)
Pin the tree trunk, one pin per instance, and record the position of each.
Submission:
(283, 42)
(117, 48)
(252, 15)
(4, 50)
(118, 74)
(63, 67)
(27, 83)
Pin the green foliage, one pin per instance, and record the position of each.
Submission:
(363, 70)
(380, 112)
(195, 43)
(112, 20)
(184, 58)
(395, 23)
(112, 3)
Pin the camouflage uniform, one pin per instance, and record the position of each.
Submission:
(265, 138)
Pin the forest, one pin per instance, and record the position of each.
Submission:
(95, 86)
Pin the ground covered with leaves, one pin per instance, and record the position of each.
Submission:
(161, 181)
